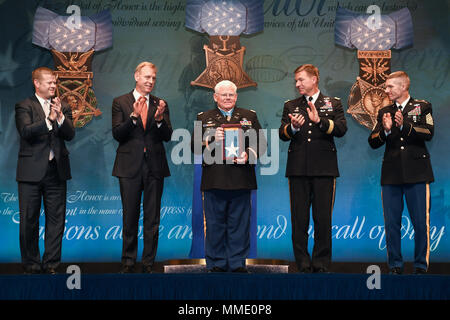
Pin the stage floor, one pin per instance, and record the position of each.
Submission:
(195, 286)
(102, 282)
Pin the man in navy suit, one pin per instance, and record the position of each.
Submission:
(43, 168)
(140, 123)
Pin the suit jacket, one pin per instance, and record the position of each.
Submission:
(230, 176)
(406, 158)
(36, 141)
(133, 138)
(312, 151)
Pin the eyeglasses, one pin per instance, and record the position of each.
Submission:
(227, 95)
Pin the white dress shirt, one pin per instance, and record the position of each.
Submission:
(45, 104)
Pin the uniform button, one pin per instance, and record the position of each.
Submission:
(401, 139)
(309, 132)
(402, 147)
(310, 124)
(424, 156)
(326, 114)
(309, 140)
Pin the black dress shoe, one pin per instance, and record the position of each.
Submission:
(396, 271)
(147, 269)
(127, 269)
(32, 271)
(241, 270)
(305, 270)
(420, 271)
(215, 269)
(320, 270)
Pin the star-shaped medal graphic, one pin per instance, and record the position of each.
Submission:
(232, 150)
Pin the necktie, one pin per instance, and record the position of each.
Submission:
(47, 110)
(50, 127)
(310, 99)
(144, 111)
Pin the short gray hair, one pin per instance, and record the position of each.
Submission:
(225, 83)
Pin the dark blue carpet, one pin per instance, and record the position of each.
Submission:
(225, 287)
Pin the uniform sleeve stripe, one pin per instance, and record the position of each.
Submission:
(285, 131)
(331, 127)
(422, 130)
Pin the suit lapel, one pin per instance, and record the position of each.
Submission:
(319, 102)
(37, 106)
(236, 116)
(408, 107)
(219, 117)
(152, 106)
(131, 101)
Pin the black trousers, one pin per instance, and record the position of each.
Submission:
(317, 192)
(53, 192)
(131, 192)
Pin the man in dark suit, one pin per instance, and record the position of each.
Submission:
(43, 168)
(310, 123)
(406, 172)
(227, 184)
(140, 123)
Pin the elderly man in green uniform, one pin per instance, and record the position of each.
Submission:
(226, 184)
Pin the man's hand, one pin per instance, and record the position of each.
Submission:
(242, 159)
(137, 107)
(297, 121)
(387, 121)
(219, 135)
(312, 112)
(160, 111)
(55, 110)
(398, 119)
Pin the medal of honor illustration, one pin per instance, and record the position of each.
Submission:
(373, 40)
(73, 46)
(224, 21)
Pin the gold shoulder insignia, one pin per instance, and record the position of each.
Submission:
(200, 113)
(429, 119)
(253, 111)
(337, 98)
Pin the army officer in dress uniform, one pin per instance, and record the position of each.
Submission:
(227, 185)
(404, 127)
(310, 123)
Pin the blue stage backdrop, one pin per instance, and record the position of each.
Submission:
(295, 32)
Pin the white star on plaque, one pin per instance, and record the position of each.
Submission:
(232, 150)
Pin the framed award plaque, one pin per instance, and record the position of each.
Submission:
(233, 143)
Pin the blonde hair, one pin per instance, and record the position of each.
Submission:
(145, 64)
(37, 73)
(401, 75)
(310, 69)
